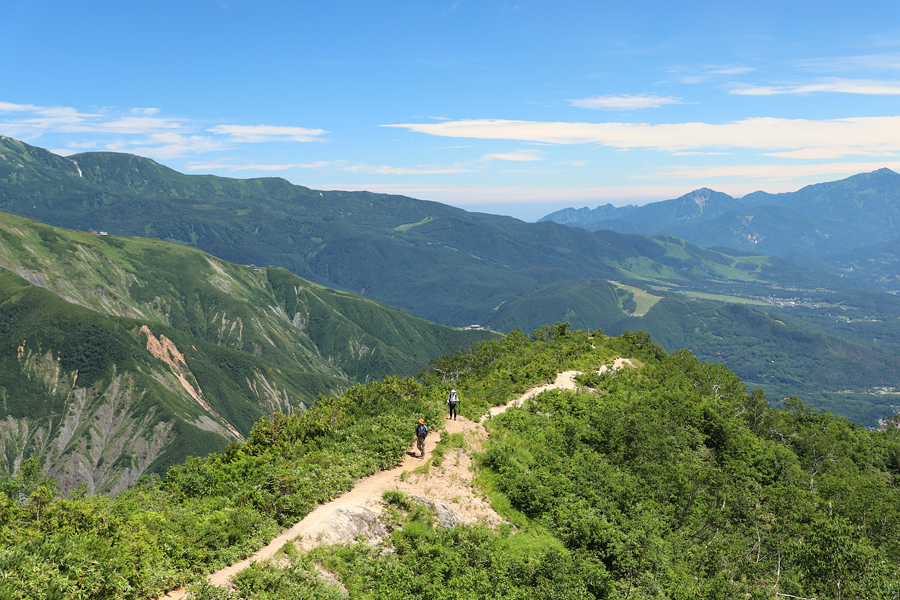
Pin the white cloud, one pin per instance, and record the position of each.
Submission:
(76, 146)
(140, 130)
(516, 156)
(776, 172)
(704, 73)
(324, 164)
(144, 111)
(868, 87)
(268, 133)
(28, 120)
(825, 153)
(869, 62)
(333, 165)
(135, 125)
(852, 136)
(419, 170)
(164, 146)
(733, 70)
(624, 102)
(11, 107)
(700, 153)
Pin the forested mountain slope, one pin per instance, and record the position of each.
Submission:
(461, 268)
(122, 356)
(669, 479)
(873, 266)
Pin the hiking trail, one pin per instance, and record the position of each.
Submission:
(448, 489)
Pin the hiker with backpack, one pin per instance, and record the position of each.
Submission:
(452, 402)
(421, 432)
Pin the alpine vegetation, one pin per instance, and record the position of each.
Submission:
(665, 478)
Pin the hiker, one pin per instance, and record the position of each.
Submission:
(421, 432)
(452, 402)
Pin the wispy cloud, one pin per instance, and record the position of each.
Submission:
(12, 107)
(141, 130)
(868, 62)
(166, 145)
(267, 133)
(136, 124)
(700, 153)
(418, 170)
(729, 70)
(516, 156)
(325, 164)
(334, 166)
(874, 136)
(871, 87)
(770, 172)
(705, 73)
(624, 102)
(28, 120)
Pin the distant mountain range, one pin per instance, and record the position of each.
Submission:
(786, 327)
(440, 263)
(849, 227)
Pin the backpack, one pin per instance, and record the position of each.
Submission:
(421, 430)
(453, 399)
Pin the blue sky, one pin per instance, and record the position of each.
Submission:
(517, 108)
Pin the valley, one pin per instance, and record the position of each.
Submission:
(457, 268)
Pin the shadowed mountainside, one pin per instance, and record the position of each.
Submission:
(122, 356)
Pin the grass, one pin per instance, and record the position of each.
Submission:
(449, 441)
(408, 226)
(397, 498)
(722, 298)
(644, 300)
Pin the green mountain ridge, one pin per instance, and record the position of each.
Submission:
(123, 356)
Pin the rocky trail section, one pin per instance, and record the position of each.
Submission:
(448, 489)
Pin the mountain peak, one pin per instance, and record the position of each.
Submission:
(23, 158)
(701, 196)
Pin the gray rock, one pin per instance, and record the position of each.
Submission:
(445, 515)
(357, 522)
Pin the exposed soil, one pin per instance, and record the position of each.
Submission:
(356, 512)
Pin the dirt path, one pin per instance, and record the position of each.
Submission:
(356, 511)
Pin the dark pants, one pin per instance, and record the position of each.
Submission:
(452, 410)
(420, 444)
